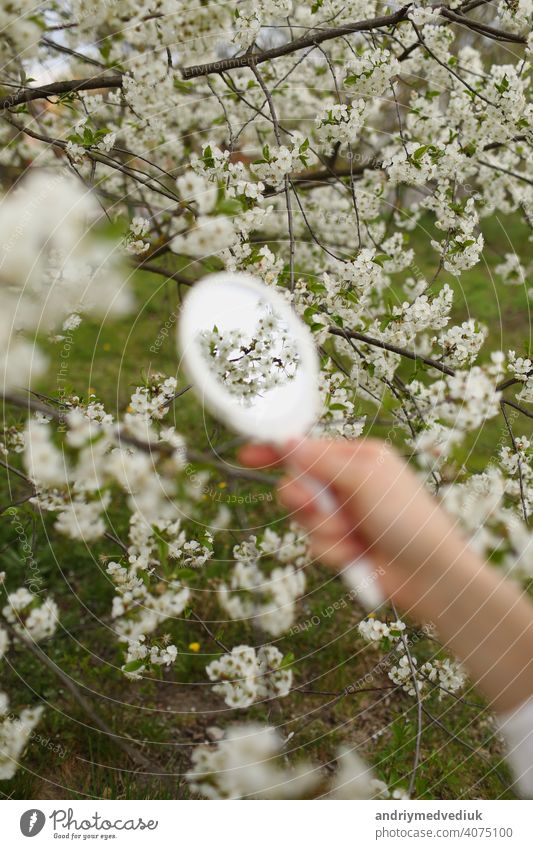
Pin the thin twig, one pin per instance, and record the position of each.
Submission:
(518, 460)
(208, 631)
(483, 29)
(416, 758)
(286, 181)
(16, 472)
(434, 719)
(164, 272)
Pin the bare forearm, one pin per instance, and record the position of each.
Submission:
(486, 622)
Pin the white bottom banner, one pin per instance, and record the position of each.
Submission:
(264, 825)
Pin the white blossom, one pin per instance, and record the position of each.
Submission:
(249, 676)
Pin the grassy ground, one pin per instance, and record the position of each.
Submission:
(460, 757)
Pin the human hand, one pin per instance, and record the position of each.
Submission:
(384, 512)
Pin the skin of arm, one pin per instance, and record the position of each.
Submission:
(427, 568)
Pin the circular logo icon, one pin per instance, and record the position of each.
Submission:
(32, 822)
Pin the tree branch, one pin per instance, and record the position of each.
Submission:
(161, 448)
(164, 272)
(318, 37)
(481, 28)
(517, 407)
(315, 38)
(394, 349)
(518, 461)
(62, 87)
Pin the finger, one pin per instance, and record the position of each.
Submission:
(294, 495)
(334, 552)
(343, 465)
(336, 527)
(306, 504)
(258, 456)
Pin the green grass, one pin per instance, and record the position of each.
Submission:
(158, 715)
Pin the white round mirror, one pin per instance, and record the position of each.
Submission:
(253, 364)
(250, 358)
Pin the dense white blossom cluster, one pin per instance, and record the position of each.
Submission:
(249, 364)
(371, 72)
(340, 124)
(140, 656)
(374, 630)
(249, 676)
(77, 482)
(14, 736)
(31, 616)
(445, 673)
(269, 600)
(481, 506)
(52, 265)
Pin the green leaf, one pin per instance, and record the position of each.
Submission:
(311, 311)
(419, 152)
(288, 660)
(133, 665)
(469, 149)
(503, 86)
(229, 206)
(208, 158)
(182, 85)
(316, 288)
(350, 295)
(105, 48)
(162, 547)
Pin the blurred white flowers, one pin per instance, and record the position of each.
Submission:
(248, 763)
(51, 265)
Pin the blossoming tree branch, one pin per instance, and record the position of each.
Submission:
(307, 143)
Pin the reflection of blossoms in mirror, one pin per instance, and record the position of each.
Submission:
(250, 365)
